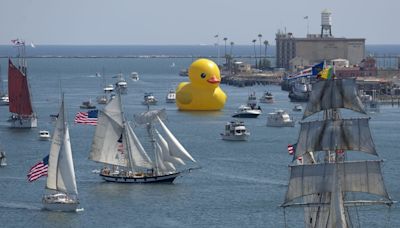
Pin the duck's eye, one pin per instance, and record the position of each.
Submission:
(203, 75)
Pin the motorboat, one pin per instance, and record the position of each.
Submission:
(102, 99)
(245, 111)
(135, 76)
(149, 99)
(298, 108)
(108, 88)
(3, 158)
(87, 105)
(4, 100)
(252, 100)
(267, 97)
(171, 96)
(300, 92)
(44, 135)
(235, 131)
(279, 118)
(121, 85)
(184, 72)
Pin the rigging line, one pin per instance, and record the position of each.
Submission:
(388, 216)
(284, 217)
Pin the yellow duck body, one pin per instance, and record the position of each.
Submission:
(202, 93)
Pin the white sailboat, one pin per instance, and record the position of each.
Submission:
(62, 192)
(116, 145)
(325, 182)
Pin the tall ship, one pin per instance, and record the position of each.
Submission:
(125, 160)
(20, 103)
(324, 177)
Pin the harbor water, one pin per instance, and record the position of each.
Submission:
(240, 184)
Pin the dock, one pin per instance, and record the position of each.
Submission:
(242, 80)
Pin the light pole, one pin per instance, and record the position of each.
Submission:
(226, 57)
(217, 44)
(255, 53)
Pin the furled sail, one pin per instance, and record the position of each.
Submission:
(331, 135)
(332, 94)
(150, 116)
(175, 147)
(61, 175)
(107, 135)
(360, 176)
(18, 91)
(137, 155)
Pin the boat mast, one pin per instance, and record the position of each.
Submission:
(124, 131)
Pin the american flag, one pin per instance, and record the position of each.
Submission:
(89, 117)
(291, 148)
(39, 170)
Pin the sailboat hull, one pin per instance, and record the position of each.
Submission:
(59, 202)
(19, 122)
(141, 180)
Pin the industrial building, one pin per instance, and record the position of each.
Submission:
(294, 53)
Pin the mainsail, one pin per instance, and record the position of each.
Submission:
(18, 89)
(61, 175)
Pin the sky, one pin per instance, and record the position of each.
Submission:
(189, 22)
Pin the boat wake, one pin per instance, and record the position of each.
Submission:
(16, 205)
(252, 179)
(80, 209)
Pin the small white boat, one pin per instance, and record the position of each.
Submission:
(171, 96)
(267, 97)
(4, 100)
(298, 108)
(121, 85)
(149, 99)
(44, 135)
(246, 111)
(279, 118)
(108, 88)
(252, 100)
(135, 76)
(235, 131)
(3, 159)
(102, 99)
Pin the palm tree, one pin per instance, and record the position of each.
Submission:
(266, 46)
(259, 38)
(226, 59)
(232, 43)
(231, 58)
(255, 53)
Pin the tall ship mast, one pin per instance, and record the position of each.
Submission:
(125, 160)
(323, 178)
(20, 103)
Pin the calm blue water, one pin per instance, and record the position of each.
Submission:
(241, 184)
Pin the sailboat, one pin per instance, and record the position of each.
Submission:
(62, 193)
(20, 104)
(323, 179)
(116, 145)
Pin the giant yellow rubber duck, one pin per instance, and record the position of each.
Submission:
(202, 93)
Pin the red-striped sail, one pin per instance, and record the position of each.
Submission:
(18, 91)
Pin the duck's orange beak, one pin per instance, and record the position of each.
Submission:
(213, 80)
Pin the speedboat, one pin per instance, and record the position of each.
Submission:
(121, 85)
(135, 76)
(87, 105)
(235, 131)
(44, 135)
(149, 99)
(4, 100)
(171, 96)
(102, 99)
(245, 111)
(267, 97)
(279, 118)
(108, 88)
(298, 108)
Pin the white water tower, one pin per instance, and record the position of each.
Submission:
(326, 23)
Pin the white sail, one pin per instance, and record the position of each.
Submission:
(137, 155)
(107, 134)
(360, 176)
(163, 166)
(165, 149)
(61, 175)
(331, 135)
(333, 94)
(175, 147)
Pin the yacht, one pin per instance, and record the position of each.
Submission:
(108, 88)
(171, 96)
(135, 76)
(298, 108)
(44, 135)
(121, 84)
(245, 111)
(4, 100)
(87, 105)
(235, 131)
(267, 97)
(149, 99)
(279, 118)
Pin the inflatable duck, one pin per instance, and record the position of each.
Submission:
(202, 93)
